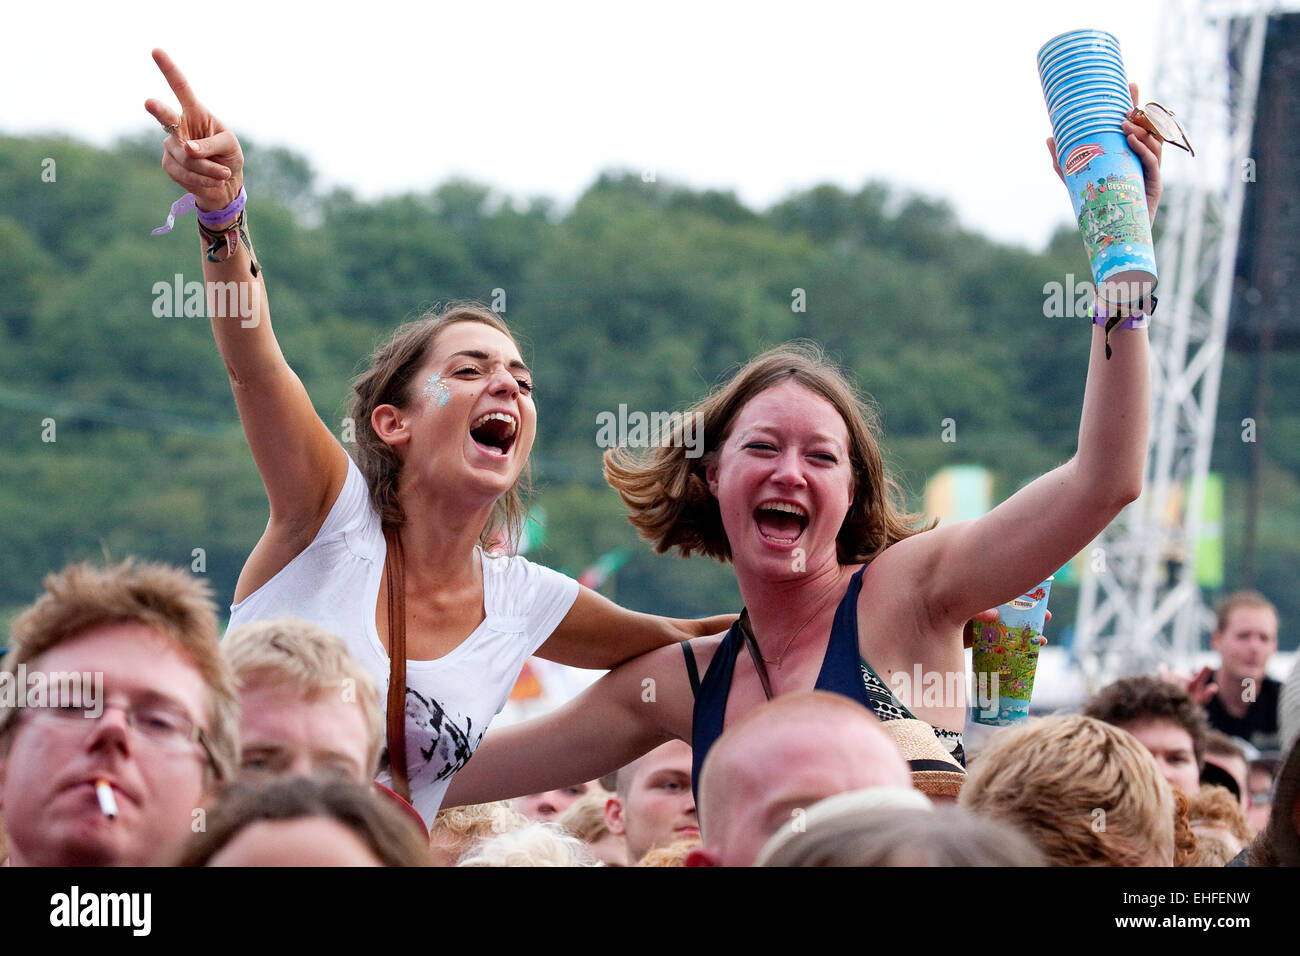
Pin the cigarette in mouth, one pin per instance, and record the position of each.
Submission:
(107, 803)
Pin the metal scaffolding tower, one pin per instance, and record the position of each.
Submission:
(1139, 602)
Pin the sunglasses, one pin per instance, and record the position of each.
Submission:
(1160, 121)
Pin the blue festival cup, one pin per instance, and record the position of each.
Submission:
(1065, 133)
(1108, 193)
(1072, 38)
(1072, 97)
(1100, 58)
(1097, 66)
(1004, 658)
(1073, 41)
(1100, 91)
(1108, 119)
(1099, 87)
(1088, 103)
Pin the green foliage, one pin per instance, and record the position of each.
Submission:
(642, 294)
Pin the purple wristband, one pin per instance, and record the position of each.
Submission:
(1138, 320)
(219, 216)
(210, 219)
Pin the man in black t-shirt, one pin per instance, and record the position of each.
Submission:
(1239, 698)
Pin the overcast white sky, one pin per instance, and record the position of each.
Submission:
(537, 98)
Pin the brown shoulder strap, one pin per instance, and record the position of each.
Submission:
(751, 643)
(394, 566)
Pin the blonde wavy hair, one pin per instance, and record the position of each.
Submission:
(1086, 792)
(668, 497)
(537, 844)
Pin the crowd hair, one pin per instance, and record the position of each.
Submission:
(1225, 606)
(1134, 700)
(390, 834)
(536, 844)
(585, 817)
(1050, 775)
(902, 836)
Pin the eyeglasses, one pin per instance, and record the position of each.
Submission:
(159, 725)
(1156, 119)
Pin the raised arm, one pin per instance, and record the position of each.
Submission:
(626, 713)
(598, 634)
(972, 565)
(301, 463)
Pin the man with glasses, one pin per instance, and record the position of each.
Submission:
(119, 780)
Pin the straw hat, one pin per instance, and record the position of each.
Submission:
(935, 771)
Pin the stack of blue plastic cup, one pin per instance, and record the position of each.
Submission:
(1087, 99)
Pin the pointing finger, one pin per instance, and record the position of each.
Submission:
(176, 80)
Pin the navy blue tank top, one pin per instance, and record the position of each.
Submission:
(839, 674)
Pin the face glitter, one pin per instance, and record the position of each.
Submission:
(436, 390)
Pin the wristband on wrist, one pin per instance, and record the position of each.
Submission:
(229, 238)
(210, 219)
(1136, 316)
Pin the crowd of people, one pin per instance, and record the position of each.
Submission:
(381, 621)
(262, 748)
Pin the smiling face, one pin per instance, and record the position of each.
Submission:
(47, 788)
(470, 418)
(783, 480)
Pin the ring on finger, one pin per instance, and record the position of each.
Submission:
(171, 128)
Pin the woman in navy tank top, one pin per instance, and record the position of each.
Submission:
(843, 590)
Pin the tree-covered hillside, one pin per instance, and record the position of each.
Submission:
(643, 294)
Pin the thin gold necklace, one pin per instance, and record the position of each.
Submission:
(790, 643)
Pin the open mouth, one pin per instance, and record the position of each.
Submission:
(780, 522)
(494, 433)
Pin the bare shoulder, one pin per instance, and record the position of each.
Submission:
(898, 576)
(662, 683)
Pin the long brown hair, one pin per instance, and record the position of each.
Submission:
(388, 381)
(668, 498)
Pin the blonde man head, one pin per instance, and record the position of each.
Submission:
(1086, 792)
(116, 776)
(308, 708)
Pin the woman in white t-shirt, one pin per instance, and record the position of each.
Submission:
(444, 422)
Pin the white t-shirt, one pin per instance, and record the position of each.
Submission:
(450, 701)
